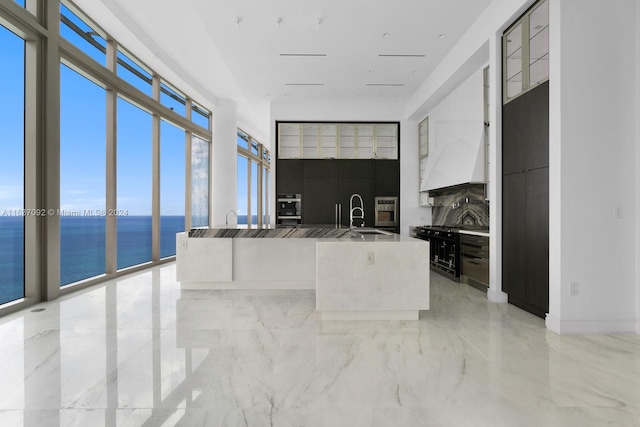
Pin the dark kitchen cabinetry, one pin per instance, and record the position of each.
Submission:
(387, 177)
(525, 199)
(328, 186)
(289, 176)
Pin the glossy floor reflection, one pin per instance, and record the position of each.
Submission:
(141, 352)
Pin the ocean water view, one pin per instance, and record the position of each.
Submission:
(82, 247)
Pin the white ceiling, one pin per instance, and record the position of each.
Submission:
(232, 49)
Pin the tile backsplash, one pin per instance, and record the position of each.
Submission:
(460, 205)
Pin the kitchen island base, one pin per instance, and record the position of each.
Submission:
(356, 277)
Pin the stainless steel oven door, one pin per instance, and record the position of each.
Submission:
(386, 212)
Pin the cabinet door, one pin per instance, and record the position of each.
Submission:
(537, 239)
(536, 127)
(288, 140)
(320, 168)
(387, 141)
(310, 141)
(319, 200)
(513, 235)
(365, 142)
(356, 177)
(289, 176)
(387, 178)
(329, 141)
(513, 137)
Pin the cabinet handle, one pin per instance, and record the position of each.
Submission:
(339, 213)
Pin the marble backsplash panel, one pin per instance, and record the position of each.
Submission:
(461, 205)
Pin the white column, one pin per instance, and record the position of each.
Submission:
(495, 293)
(224, 174)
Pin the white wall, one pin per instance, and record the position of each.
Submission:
(592, 166)
(319, 110)
(637, 164)
(224, 175)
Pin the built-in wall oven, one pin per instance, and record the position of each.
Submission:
(289, 209)
(386, 212)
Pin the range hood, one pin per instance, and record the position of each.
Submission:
(457, 156)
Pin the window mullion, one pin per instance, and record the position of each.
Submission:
(155, 198)
(111, 167)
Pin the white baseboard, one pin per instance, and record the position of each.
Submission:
(251, 284)
(591, 327)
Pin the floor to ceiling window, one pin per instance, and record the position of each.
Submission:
(82, 177)
(118, 149)
(134, 185)
(253, 181)
(12, 80)
(172, 182)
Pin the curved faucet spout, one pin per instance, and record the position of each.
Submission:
(226, 217)
(354, 210)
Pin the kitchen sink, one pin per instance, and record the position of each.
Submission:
(371, 231)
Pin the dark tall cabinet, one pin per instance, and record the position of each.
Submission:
(525, 200)
(328, 186)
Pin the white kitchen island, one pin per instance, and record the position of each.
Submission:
(357, 275)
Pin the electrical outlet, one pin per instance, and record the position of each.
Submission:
(574, 288)
(370, 258)
(617, 212)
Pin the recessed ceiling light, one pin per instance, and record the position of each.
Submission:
(303, 54)
(403, 55)
(386, 35)
(386, 84)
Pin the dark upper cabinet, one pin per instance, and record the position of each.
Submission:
(525, 131)
(320, 168)
(537, 128)
(387, 182)
(513, 136)
(355, 168)
(289, 176)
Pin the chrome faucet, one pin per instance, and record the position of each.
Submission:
(226, 217)
(354, 209)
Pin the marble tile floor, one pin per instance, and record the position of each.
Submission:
(139, 351)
